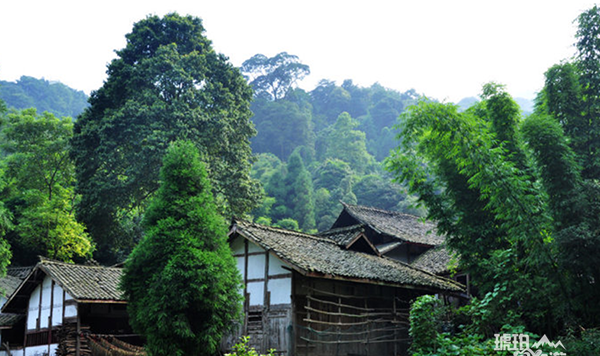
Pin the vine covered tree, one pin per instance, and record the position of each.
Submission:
(181, 281)
(166, 84)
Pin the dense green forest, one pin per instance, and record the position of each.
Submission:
(319, 147)
(55, 98)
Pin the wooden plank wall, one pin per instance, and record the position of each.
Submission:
(342, 318)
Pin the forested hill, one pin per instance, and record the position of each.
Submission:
(53, 97)
(317, 148)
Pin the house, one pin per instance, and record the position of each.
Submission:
(396, 235)
(57, 302)
(403, 237)
(332, 293)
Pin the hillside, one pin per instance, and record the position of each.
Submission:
(53, 97)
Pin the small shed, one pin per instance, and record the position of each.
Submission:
(333, 294)
(55, 296)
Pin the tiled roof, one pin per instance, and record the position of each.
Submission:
(85, 283)
(399, 225)
(8, 285)
(435, 260)
(321, 257)
(19, 272)
(343, 236)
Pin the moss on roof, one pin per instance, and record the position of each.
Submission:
(402, 226)
(436, 260)
(85, 283)
(322, 257)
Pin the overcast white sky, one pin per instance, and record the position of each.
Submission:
(444, 49)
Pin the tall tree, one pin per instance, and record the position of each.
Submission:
(40, 190)
(444, 153)
(166, 84)
(300, 198)
(272, 77)
(181, 281)
(348, 144)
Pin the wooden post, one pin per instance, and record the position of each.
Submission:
(246, 296)
(368, 325)
(308, 323)
(266, 302)
(78, 344)
(50, 316)
(395, 329)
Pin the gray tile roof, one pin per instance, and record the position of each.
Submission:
(344, 236)
(436, 260)
(399, 225)
(8, 285)
(322, 257)
(85, 283)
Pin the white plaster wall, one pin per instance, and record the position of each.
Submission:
(33, 309)
(49, 302)
(252, 247)
(40, 350)
(46, 301)
(257, 293)
(256, 266)
(281, 290)
(18, 352)
(241, 266)
(276, 266)
(237, 246)
(57, 306)
(70, 310)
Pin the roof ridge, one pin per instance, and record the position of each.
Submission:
(284, 231)
(341, 229)
(67, 264)
(379, 210)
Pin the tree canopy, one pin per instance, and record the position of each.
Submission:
(166, 84)
(505, 215)
(181, 280)
(39, 189)
(273, 77)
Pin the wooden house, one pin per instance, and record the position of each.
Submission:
(396, 235)
(403, 237)
(55, 297)
(328, 294)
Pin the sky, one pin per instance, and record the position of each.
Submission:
(443, 49)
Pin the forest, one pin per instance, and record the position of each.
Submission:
(515, 193)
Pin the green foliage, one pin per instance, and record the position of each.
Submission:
(424, 320)
(348, 145)
(288, 223)
(495, 214)
(242, 349)
(166, 84)
(181, 281)
(55, 98)
(273, 77)
(437, 329)
(282, 127)
(584, 343)
(40, 188)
